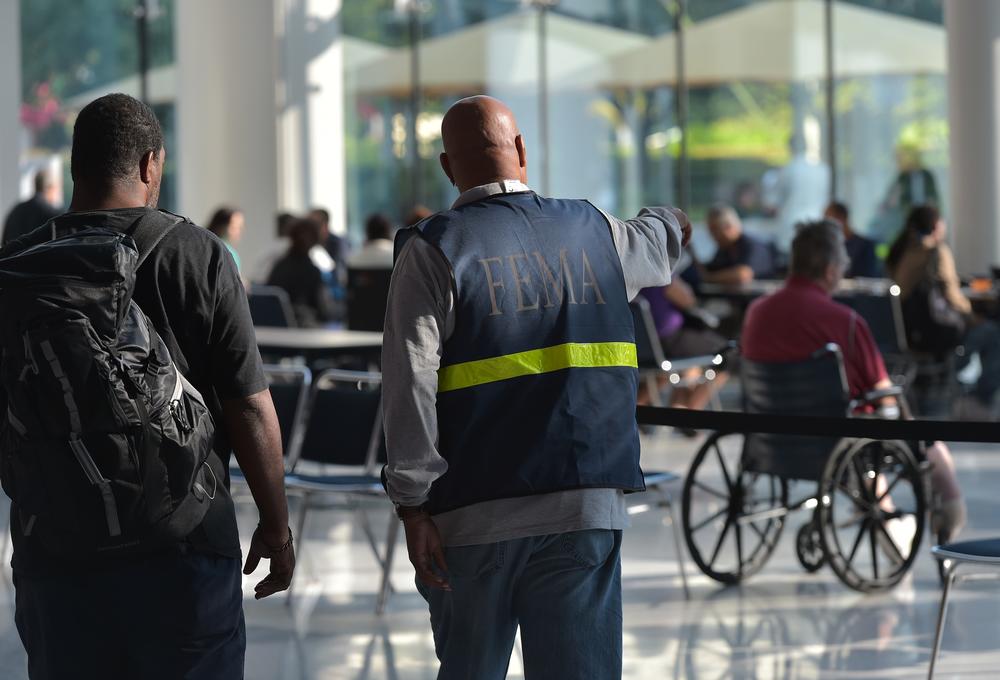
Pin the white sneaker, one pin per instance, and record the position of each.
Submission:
(901, 532)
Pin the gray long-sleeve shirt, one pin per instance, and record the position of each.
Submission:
(421, 317)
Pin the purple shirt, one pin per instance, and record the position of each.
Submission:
(668, 319)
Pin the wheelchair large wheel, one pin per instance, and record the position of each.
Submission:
(872, 513)
(732, 517)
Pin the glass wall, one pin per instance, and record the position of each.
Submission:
(627, 102)
(594, 84)
(72, 52)
(890, 108)
(591, 129)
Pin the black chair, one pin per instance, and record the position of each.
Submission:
(884, 316)
(342, 450)
(367, 294)
(815, 387)
(659, 483)
(653, 363)
(983, 554)
(930, 379)
(290, 388)
(270, 307)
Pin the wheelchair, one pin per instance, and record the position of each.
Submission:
(870, 502)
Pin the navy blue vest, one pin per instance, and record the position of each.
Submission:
(537, 385)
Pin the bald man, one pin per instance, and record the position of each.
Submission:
(510, 380)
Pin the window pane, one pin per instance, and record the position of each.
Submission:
(377, 89)
(614, 137)
(72, 53)
(756, 133)
(891, 110)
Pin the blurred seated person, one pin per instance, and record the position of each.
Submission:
(376, 253)
(682, 337)
(228, 224)
(417, 213)
(317, 254)
(802, 318)
(334, 245)
(25, 217)
(861, 250)
(937, 315)
(300, 278)
(266, 263)
(740, 258)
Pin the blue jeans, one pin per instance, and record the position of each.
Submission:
(165, 617)
(564, 590)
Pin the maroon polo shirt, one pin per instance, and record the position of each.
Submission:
(801, 318)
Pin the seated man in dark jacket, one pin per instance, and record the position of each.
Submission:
(741, 258)
(861, 250)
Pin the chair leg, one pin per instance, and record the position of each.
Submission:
(366, 528)
(948, 582)
(678, 545)
(300, 530)
(390, 656)
(390, 552)
(653, 387)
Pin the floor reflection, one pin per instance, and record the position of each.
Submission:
(783, 624)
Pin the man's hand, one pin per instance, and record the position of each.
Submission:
(685, 223)
(280, 552)
(423, 543)
(256, 438)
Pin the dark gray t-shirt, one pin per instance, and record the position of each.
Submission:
(191, 291)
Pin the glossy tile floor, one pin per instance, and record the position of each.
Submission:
(783, 624)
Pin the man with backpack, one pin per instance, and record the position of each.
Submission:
(130, 370)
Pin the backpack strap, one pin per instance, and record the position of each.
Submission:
(149, 230)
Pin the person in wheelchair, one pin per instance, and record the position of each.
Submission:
(801, 318)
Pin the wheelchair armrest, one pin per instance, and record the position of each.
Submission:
(878, 395)
(901, 410)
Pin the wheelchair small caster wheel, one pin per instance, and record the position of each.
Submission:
(809, 547)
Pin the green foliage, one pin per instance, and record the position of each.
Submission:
(374, 20)
(79, 45)
(741, 120)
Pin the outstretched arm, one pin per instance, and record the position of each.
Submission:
(649, 246)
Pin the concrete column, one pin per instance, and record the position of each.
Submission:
(311, 108)
(226, 114)
(10, 103)
(974, 129)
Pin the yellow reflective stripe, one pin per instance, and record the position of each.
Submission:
(537, 361)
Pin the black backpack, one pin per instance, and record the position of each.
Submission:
(104, 446)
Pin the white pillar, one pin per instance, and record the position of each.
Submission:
(311, 103)
(226, 114)
(974, 129)
(10, 103)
